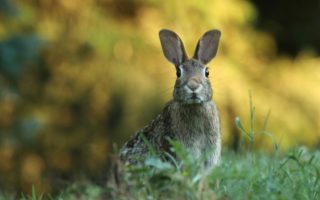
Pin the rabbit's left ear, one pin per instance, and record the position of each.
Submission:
(207, 46)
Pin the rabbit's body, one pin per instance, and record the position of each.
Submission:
(195, 126)
(191, 118)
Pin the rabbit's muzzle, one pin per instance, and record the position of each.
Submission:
(194, 89)
(194, 84)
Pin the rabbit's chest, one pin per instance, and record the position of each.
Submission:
(197, 128)
(197, 137)
(198, 147)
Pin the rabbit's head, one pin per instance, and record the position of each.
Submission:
(192, 85)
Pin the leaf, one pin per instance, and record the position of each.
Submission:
(158, 163)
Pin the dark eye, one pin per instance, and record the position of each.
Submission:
(207, 72)
(178, 72)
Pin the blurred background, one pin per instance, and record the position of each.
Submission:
(77, 77)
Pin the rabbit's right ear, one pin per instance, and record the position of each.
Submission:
(172, 47)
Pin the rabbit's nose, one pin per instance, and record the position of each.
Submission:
(193, 84)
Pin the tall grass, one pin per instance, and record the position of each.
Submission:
(251, 175)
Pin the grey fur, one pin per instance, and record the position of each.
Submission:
(191, 117)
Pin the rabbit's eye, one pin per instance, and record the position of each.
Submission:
(178, 72)
(207, 72)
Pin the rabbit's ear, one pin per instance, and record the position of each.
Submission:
(172, 47)
(207, 46)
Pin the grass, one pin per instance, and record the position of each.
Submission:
(249, 174)
(246, 175)
(254, 175)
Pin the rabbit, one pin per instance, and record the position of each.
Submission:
(191, 117)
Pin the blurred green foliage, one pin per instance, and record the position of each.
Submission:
(77, 76)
